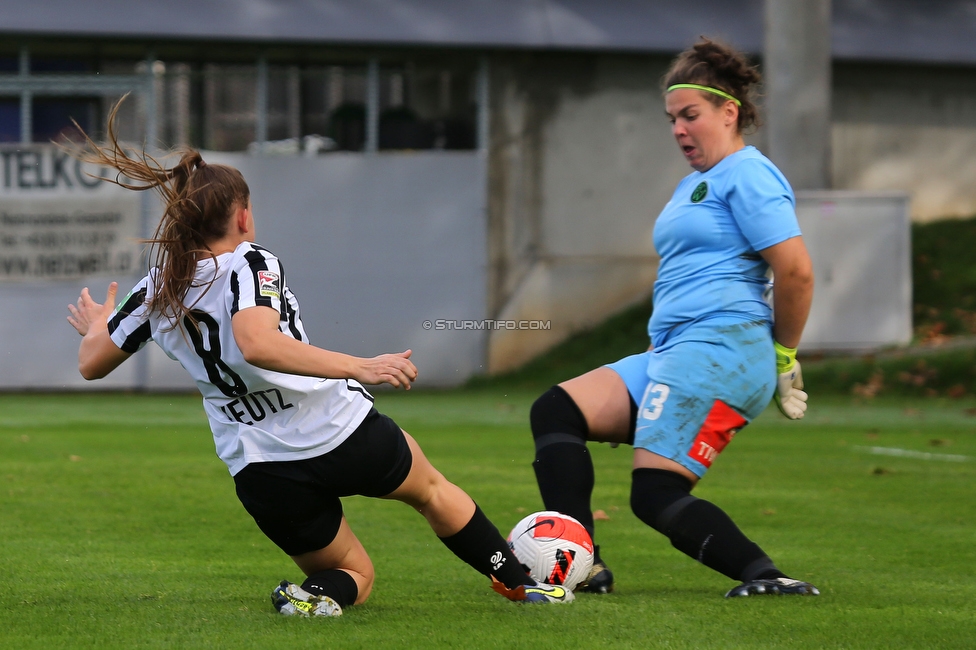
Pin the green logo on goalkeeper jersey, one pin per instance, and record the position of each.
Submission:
(700, 192)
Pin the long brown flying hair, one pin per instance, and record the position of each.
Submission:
(199, 200)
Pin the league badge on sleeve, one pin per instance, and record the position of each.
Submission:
(269, 284)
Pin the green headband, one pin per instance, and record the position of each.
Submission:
(707, 89)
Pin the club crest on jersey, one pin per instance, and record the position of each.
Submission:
(700, 193)
(268, 284)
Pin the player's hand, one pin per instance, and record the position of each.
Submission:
(394, 369)
(790, 399)
(88, 312)
(789, 396)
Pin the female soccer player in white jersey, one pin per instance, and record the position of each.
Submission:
(292, 422)
(718, 352)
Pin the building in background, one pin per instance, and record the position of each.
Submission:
(518, 147)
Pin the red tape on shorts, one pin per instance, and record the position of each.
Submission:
(721, 424)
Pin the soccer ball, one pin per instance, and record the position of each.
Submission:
(553, 548)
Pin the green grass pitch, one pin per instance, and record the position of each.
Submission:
(119, 527)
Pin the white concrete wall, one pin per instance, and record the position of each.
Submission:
(582, 162)
(907, 129)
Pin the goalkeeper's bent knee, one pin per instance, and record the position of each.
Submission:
(555, 418)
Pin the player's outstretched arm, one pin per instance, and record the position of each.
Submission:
(263, 345)
(98, 355)
(792, 296)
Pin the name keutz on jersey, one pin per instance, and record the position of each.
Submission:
(254, 406)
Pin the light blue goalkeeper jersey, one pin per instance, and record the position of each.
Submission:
(708, 237)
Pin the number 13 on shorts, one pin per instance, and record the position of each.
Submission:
(654, 398)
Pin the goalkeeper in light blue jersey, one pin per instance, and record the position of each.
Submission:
(719, 352)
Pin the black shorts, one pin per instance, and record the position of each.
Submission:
(296, 502)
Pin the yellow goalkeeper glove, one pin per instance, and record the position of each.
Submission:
(790, 399)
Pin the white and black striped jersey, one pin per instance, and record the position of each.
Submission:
(256, 415)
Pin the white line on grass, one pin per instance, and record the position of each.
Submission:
(908, 453)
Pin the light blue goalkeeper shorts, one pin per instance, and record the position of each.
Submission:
(696, 391)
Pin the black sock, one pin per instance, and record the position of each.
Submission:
(564, 472)
(704, 532)
(563, 466)
(761, 569)
(697, 528)
(334, 583)
(481, 545)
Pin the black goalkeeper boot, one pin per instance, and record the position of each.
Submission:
(773, 587)
(600, 580)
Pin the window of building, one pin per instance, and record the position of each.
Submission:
(60, 65)
(425, 103)
(428, 106)
(333, 104)
(54, 118)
